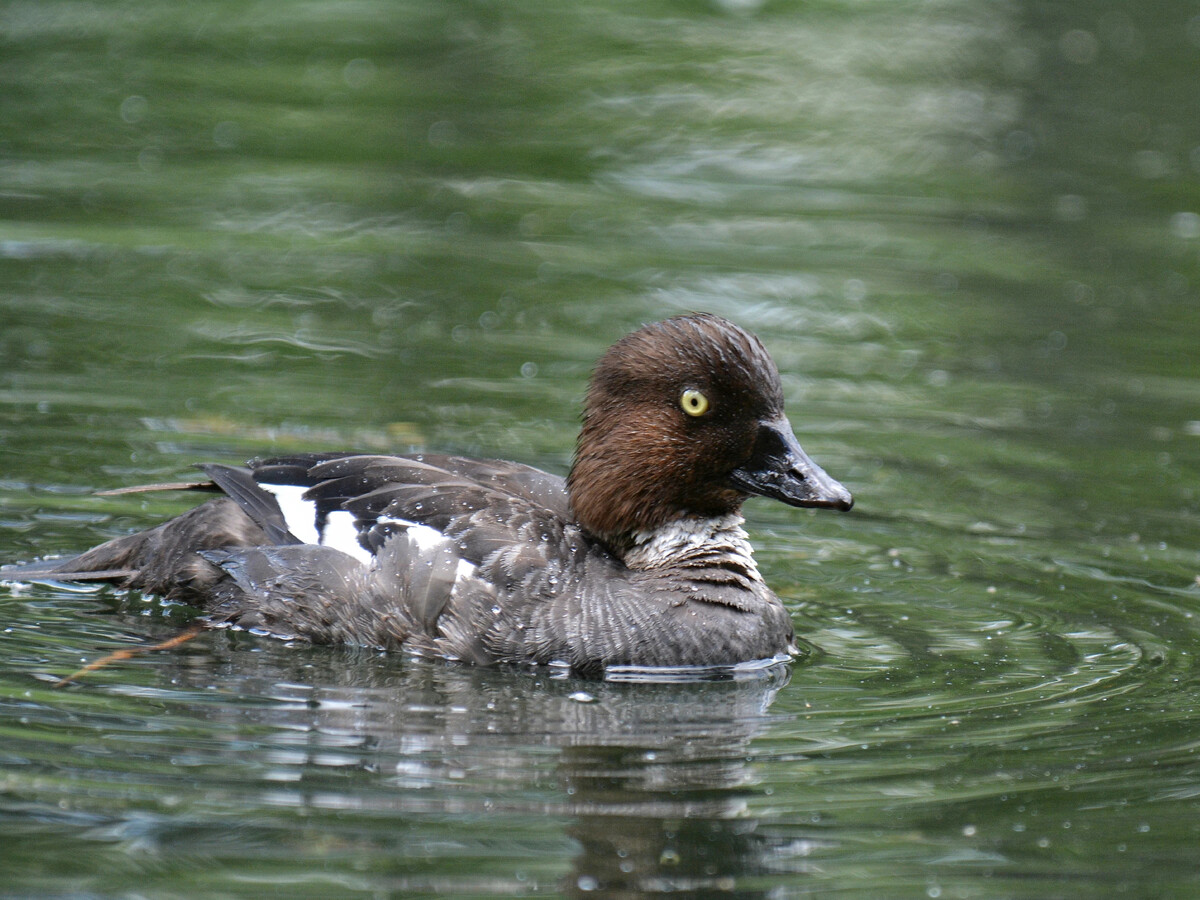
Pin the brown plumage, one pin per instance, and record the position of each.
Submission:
(633, 425)
(637, 558)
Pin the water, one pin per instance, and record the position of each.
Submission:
(969, 234)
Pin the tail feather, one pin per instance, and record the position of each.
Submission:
(61, 570)
(207, 486)
(165, 560)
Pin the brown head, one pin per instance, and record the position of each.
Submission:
(685, 418)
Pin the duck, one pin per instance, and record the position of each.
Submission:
(638, 559)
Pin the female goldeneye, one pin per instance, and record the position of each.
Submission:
(638, 558)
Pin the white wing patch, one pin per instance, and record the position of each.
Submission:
(299, 514)
(340, 529)
(341, 533)
(426, 538)
(431, 543)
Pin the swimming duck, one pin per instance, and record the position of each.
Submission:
(638, 558)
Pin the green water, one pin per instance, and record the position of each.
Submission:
(969, 233)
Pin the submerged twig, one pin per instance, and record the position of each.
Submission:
(128, 652)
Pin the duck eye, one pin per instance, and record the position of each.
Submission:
(693, 402)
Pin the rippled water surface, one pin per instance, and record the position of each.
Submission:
(968, 232)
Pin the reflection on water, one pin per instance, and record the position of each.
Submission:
(967, 233)
(638, 771)
(650, 781)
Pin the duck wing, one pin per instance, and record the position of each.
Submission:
(396, 550)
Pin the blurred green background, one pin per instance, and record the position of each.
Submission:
(968, 232)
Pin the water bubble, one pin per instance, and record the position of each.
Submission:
(1081, 293)
(529, 370)
(854, 290)
(740, 6)
(358, 73)
(530, 225)
(1070, 208)
(442, 133)
(1151, 164)
(1185, 225)
(587, 883)
(149, 159)
(134, 108)
(226, 135)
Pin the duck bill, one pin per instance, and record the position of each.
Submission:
(779, 468)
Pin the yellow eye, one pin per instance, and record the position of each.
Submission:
(693, 402)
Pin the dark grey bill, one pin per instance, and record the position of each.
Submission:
(779, 468)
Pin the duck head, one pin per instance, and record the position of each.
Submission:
(684, 418)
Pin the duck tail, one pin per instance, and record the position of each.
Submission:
(165, 560)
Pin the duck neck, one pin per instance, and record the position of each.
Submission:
(693, 542)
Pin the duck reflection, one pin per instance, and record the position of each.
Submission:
(651, 779)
